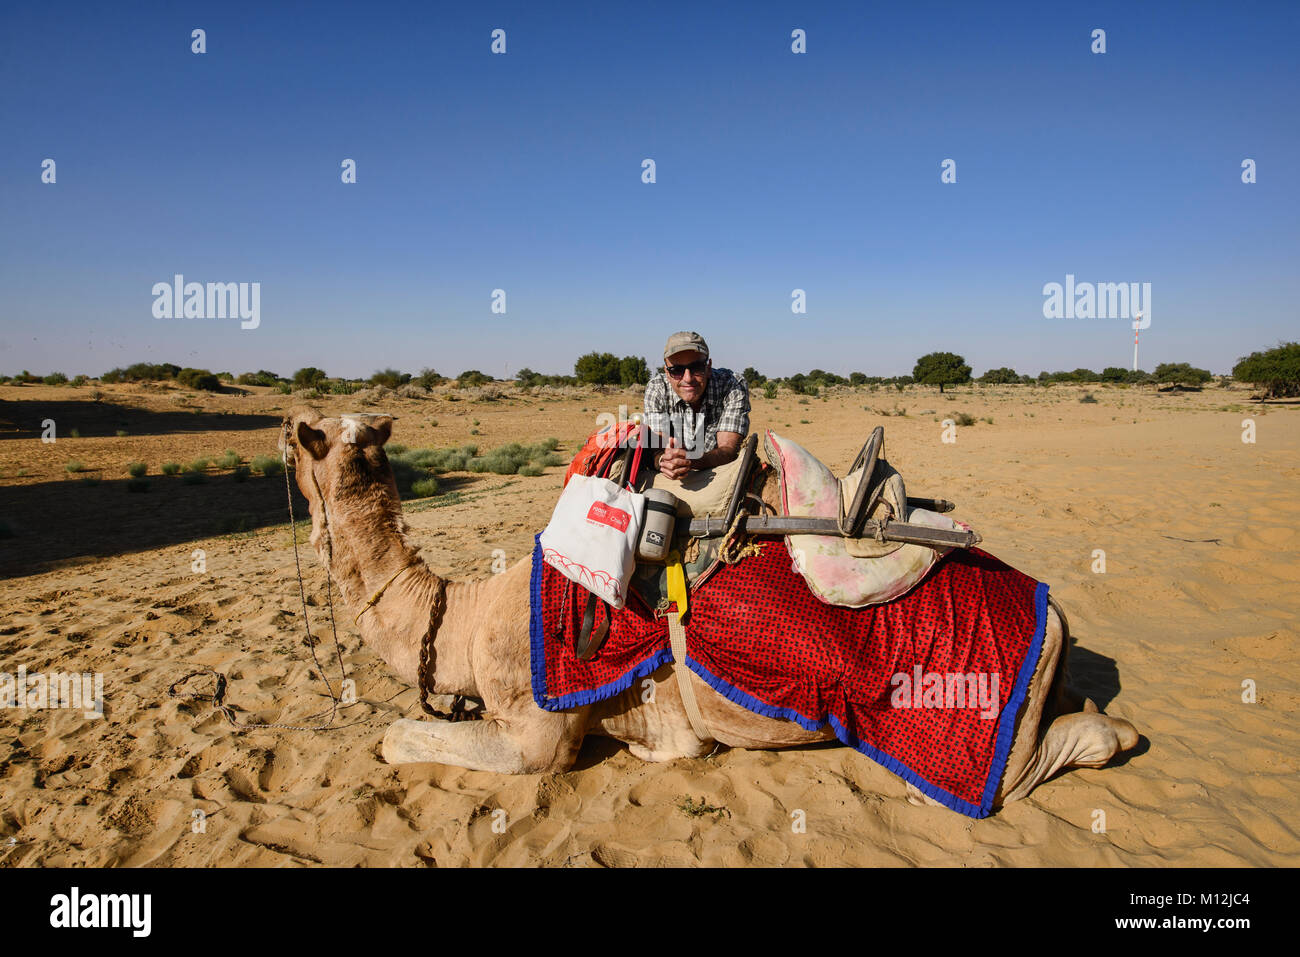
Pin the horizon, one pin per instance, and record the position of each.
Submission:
(654, 369)
(775, 172)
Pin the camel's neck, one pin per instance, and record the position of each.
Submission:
(366, 551)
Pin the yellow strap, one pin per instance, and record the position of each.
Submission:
(677, 582)
(677, 639)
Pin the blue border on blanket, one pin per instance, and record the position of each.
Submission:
(1002, 749)
(537, 651)
(1006, 721)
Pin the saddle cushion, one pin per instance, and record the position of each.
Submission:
(873, 572)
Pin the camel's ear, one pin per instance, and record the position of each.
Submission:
(313, 440)
(383, 426)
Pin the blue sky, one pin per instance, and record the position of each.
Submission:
(775, 171)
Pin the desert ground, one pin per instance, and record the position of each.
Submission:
(1198, 604)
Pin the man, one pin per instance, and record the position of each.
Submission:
(700, 413)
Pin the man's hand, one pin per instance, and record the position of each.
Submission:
(673, 462)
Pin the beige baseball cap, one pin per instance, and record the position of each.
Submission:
(686, 342)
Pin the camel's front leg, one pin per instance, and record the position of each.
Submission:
(549, 743)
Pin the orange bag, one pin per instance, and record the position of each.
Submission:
(601, 448)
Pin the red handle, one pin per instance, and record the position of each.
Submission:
(636, 459)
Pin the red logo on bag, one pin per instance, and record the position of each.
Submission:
(604, 514)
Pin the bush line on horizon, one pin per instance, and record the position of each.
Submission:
(1276, 371)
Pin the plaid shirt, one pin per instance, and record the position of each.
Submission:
(725, 408)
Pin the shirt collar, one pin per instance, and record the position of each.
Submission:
(680, 403)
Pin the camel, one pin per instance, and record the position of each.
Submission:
(481, 647)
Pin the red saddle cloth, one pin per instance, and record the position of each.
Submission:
(929, 685)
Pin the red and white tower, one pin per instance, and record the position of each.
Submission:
(1137, 324)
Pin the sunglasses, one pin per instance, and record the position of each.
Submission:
(697, 369)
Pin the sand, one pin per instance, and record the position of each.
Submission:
(1199, 594)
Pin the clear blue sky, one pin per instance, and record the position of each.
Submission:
(775, 171)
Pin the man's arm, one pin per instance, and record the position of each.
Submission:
(727, 450)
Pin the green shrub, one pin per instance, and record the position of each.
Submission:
(1001, 376)
(769, 390)
(308, 377)
(122, 433)
(260, 377)
(137, 485)
(961, 418)
(74, 466)
(137, 469)
(1088, 398)
(199, 465)
(505, 460)
(80, 380)
(75, 433)
(435, 460)
(55, 378)
(241, 474)
(199, 379)
(90, 480)
(1276, 371)
(423, 488)
(394, 448)
(284, 388)
(191, 477)
(171, 468)
(530, 470)
(229, 460)
(267, 464)
(390, 378)
(232, 524)
(429, 378)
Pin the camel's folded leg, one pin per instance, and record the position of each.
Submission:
(1046, 740)
(488, 745)
(1088, 739)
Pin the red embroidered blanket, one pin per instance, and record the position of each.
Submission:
(929, 685)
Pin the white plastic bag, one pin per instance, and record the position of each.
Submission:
(592, 536)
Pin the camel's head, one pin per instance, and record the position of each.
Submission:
(340, 455)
